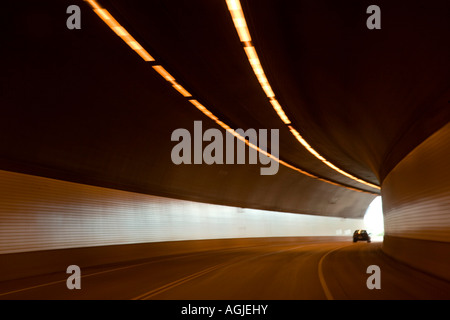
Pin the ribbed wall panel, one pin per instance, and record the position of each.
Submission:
(38, 213)
(416, 194)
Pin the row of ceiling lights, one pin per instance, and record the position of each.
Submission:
(240, 24)
(241, 27)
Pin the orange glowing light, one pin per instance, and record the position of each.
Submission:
(240, 24)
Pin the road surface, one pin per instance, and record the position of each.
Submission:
(335, 270)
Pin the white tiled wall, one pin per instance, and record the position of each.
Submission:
(38, 214)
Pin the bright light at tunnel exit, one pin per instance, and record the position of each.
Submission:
(373, 219)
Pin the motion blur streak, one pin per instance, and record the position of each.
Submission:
(240, 24)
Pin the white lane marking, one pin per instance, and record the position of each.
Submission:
(121, 268)
(321, 276)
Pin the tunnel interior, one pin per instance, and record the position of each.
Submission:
(135, 129)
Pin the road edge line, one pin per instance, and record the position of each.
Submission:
(325, 288)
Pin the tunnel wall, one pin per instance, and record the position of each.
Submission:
(416, 205)
(39, 213)
(47, 225)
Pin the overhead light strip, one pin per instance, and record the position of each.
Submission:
(243, 33)
(119, 30)
(240, 24)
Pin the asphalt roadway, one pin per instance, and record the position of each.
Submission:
(333, 271)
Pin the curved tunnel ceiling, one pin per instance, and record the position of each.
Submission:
(240, 24)
(81, 106)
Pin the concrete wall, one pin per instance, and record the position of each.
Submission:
(416, 205)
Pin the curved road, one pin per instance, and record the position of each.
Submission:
(336, 270)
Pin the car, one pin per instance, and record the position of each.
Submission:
(361, 235)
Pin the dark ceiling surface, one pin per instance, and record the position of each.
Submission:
(80, 105)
